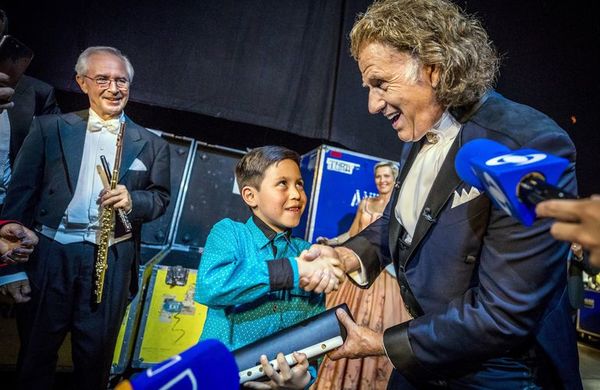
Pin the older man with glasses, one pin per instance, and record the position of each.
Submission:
(57, 190)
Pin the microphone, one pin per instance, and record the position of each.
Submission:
(206, 365)
(515, 180)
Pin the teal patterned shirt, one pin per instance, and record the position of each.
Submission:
(248, 278)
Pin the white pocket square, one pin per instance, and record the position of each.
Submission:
(464, 196)
(137, 165)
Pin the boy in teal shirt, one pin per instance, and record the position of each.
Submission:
(250, 273)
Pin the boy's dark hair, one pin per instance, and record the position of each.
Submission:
(250, 170)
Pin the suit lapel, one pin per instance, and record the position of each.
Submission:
(132, 146)
(394, 227)
(442, 189)
(72, 139)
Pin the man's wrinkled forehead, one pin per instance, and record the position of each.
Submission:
(107, 61)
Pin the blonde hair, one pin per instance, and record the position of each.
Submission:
(433, 32)
(388, 164)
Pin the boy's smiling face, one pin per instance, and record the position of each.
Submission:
(281, 199)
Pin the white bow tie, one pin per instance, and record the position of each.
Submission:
(96, 124)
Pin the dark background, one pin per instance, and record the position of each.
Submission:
(243, 73)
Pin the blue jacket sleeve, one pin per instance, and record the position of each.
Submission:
(371, 244)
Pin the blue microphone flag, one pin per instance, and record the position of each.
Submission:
(495, 169)
(206, 365)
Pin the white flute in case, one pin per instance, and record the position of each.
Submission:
(311, 352)
(314, 337)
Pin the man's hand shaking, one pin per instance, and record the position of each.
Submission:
(320, 269)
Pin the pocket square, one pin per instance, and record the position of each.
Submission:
(137, 165)
(464, 196)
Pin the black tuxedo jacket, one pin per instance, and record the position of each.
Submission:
(479, 284)
(47, 168)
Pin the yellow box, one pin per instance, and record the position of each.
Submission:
(131, 320)
(172, 322)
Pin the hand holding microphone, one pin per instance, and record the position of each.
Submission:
(576, 221)
(523, 183)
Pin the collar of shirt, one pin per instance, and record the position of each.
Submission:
(265, 234)
(424, 170)
(95, 123)
(444, 130)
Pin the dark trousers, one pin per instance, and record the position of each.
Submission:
(62, 284)
(530, 370)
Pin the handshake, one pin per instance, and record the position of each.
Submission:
(16, 243)
(321, 269)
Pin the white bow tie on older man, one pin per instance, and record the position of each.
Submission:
(96, 124)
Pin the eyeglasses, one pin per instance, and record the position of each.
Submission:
(104, 82)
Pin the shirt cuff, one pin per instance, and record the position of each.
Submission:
(12, 278)
(281, 274)
(359, 276)
(370, 259)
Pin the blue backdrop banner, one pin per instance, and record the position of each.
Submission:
(336, 180)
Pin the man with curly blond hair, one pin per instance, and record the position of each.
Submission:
(487, 295)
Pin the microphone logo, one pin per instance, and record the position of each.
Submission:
(514, 180)
(515, 159)
(496, 193)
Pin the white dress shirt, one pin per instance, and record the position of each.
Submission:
(419, 180)
(81, 220)
(424, 170)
